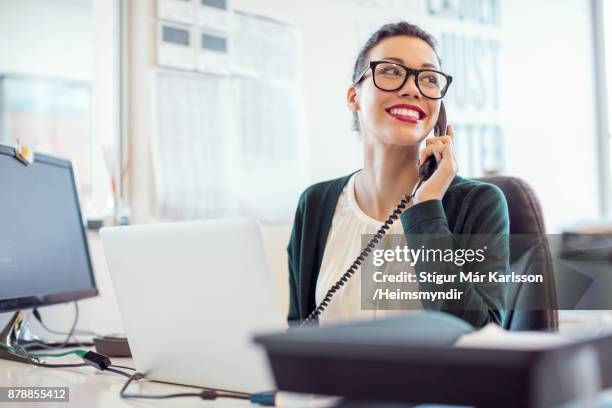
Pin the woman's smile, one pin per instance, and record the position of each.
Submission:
(406, 113)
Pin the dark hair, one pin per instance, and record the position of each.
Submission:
(388, 31)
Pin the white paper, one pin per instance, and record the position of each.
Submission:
(494, 337)
(268, 101)
(192, 156)
(182, 11)
(230, 144)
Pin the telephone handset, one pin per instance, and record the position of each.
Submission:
(425, 171)
(430, 165)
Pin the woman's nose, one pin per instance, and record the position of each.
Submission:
(410, 88)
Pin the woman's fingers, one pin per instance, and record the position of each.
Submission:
(437, 144)
(443, 139)
(438, 150)
(434, 147)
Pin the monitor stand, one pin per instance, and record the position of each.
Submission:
(10, 334)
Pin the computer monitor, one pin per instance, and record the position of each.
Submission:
(44, 257)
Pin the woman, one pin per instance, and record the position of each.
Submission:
(394, 112)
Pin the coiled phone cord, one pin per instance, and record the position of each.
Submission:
(363, 255)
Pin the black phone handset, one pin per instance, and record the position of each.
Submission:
(425, 171)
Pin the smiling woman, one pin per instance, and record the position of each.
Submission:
(396, 99)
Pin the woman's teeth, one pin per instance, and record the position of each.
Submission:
(404, 112)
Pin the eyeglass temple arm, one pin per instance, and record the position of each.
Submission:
(361, 74)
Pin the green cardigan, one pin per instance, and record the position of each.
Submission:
(468, 207)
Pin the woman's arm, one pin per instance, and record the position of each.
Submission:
(293, 314)
(486, 219)
(293, 255)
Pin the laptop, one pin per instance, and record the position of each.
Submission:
(192, 296)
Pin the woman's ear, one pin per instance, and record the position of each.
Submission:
(351, 98)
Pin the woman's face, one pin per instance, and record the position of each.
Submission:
(383, 115)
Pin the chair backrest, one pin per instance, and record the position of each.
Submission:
(526, 218)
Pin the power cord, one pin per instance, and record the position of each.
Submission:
(112, 370)
(70, 334)
(103, 363)
(424, 174)
(205, 394)
(34, 345)
(360, 259)
(262, 398)
(123, 367)
(90, 358)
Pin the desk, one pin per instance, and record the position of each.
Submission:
(92, 388)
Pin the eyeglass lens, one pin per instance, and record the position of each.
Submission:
(390, 77)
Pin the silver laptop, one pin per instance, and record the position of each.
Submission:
(192, 295)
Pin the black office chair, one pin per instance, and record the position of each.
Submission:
(528, 258)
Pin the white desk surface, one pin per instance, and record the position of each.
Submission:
(92, 388)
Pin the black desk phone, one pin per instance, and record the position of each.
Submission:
(425, 171)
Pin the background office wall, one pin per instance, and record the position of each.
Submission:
(549, 99)
(72, 40)
(67, 40)
(36, 35)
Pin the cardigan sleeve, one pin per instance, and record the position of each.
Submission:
(488, 215)
(293, 256)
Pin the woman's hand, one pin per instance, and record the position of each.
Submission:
(443, 150)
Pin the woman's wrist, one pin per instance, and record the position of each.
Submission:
(417, 199)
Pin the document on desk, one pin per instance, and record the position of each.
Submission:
(494, 337)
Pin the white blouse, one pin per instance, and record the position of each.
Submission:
(342, 247)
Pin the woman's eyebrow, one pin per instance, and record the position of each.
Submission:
(401, 61)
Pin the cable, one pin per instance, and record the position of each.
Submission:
(19, 350)
(79, 353)
(112, 370)
(33, 345)
(90, 358)
(124, 367)
(69, 335)
(58, 365)
(205, 394)
(361, 258)
(16, 350)
(33, 359)
(103, 363)
(424, 173)
(202, 388)
(261, 398)
(38, 317)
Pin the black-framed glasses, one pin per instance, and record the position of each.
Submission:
(391, 76)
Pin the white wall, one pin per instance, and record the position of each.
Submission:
(46, 38)
(550, 125)
(70, 39)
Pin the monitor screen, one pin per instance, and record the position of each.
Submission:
(44, 258)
